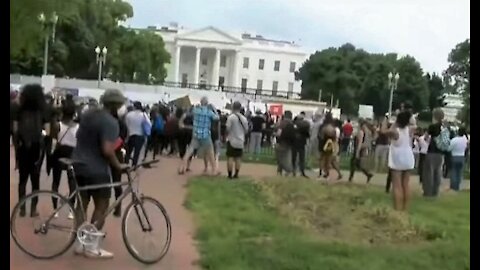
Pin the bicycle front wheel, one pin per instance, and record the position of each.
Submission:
(146, 230)
(40, 230)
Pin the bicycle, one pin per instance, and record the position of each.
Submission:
(87, 233)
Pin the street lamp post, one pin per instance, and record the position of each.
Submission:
(49, 25)
(101, 60)
(392, 84)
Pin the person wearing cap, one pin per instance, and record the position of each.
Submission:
(203, 116)
(93, 155)
(258, 125)
(237, 128)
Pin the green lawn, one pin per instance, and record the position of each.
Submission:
(300, 224)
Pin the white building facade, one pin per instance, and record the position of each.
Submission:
(213, 59)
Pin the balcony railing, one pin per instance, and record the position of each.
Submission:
(236, 90)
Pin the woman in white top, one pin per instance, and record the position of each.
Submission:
(458, 147)
(400, 158)
(66, 142)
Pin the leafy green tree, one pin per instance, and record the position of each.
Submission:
(139, 57)
(435, 89)
(458, 73)
(357, 77)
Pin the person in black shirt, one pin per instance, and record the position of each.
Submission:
(432, 167)
(285, 140)
(302, 133)
(258, 125)
(28, 121)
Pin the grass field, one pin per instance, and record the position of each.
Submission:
(298, 224)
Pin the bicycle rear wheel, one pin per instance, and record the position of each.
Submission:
(47, 235)
(146, 230)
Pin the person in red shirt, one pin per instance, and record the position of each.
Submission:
(347, 131)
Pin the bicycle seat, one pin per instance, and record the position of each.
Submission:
(66, 161)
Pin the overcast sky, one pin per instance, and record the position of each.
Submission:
(425, 29)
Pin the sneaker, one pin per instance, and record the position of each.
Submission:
(97, 253)
(56, 215)
(70, 216)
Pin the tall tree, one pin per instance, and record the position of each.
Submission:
(458, 72)
(435, 89)
(358, 77)
(139, 57)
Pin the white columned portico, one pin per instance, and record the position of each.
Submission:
(216, 68)
(177, 63)
(236, 60)
(196, 75)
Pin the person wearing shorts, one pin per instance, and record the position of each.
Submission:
(237, 128)
(203, 116)
(93, 155)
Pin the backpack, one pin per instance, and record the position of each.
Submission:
(442, 141)
(158, 124)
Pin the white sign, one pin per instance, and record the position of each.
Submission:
(365, 111)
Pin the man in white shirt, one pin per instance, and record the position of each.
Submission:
(237, 127)
(136, 138)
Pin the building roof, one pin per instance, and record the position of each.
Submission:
(249, 41)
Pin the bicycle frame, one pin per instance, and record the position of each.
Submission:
(79, 208)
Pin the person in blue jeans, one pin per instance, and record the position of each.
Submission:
(458, 147)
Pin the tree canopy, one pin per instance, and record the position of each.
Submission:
(355, 77)
(82, 26)
(458, 75)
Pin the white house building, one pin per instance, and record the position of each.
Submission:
(212, 58)
(453, 107)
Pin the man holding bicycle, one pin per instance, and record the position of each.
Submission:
(95, 152)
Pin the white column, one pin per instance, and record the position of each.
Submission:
(216, 68)
(236, 69)
(177, 63)
(196, 75)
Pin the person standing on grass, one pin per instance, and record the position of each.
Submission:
(237, 128)
(302, 133)
(258, 126)
(285, 139)
(458, 148)
(381, 151)
(400, 158)
(360, 152)
(423, 141)
(439, 143)
(347, 131)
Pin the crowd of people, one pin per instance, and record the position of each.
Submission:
(104, 137)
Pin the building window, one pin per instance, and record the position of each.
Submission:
(290, 87)
(261, 64)
(274, 88)
(245, 62)
(259, 87)
(276, 67)
(292, 67)
(244, 85)
(204, 61)
(223, 61)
